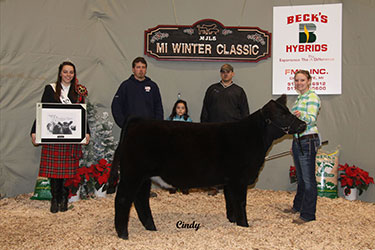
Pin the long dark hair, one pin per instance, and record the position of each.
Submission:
(174, 113)
(72, 90)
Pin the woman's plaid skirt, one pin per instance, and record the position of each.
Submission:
(59, 160)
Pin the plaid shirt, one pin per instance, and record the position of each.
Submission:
(308, 104)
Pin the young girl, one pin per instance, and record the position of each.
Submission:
(180, 113)
(304, 149)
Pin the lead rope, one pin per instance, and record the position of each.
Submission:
(299, 143)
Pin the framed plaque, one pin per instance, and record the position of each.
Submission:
(58, 123)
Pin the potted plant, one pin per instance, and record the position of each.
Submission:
(354, 177)
(100, 173)
(292, 174)
(81, 178)
(93, 179)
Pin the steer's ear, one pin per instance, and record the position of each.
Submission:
(282, 99)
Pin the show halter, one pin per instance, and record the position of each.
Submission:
(285, 129)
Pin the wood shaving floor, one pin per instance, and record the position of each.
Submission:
(88, 224)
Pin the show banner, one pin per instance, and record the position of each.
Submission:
(307, 37)
(207, 40)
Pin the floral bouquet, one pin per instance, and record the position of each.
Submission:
(292, 174)
(354, 177)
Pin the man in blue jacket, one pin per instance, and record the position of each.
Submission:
(137, 96)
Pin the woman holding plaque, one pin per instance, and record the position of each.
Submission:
(60, 161)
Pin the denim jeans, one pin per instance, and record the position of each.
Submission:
(306, 196)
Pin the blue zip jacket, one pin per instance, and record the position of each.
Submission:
(137, 98)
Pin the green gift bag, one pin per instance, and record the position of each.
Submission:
(42, 189)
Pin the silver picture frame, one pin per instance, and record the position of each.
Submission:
(58, 123)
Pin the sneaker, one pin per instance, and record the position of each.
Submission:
(299, 221)
(290, 211)
(153, 194)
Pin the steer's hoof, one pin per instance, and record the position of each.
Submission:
(151, 228)
(243, 224)
(232, 220)
(123, 236)
(111, 190)
(122, 233)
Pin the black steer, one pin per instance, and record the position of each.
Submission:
(187, 155)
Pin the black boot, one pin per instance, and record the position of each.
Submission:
(54, 192)
(63, 204)
(185, 190)
(172, 190)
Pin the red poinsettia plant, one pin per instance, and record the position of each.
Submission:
(83, 175)
(292, 174)
(96, 175)
(354, 177)
(101, 173)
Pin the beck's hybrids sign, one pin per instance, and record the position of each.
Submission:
(307, 37)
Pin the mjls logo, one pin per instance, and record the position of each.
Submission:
(306, 33)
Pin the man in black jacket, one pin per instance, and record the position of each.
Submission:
(137, 96)
(224, 101)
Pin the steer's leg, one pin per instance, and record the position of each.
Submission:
(228, 194)
(142, 205)
(125, 195)
(239, 197)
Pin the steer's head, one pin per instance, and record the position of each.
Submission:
(279, 120)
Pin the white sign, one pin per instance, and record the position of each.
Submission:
(307, 37)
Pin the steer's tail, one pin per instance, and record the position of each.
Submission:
(113, 175)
